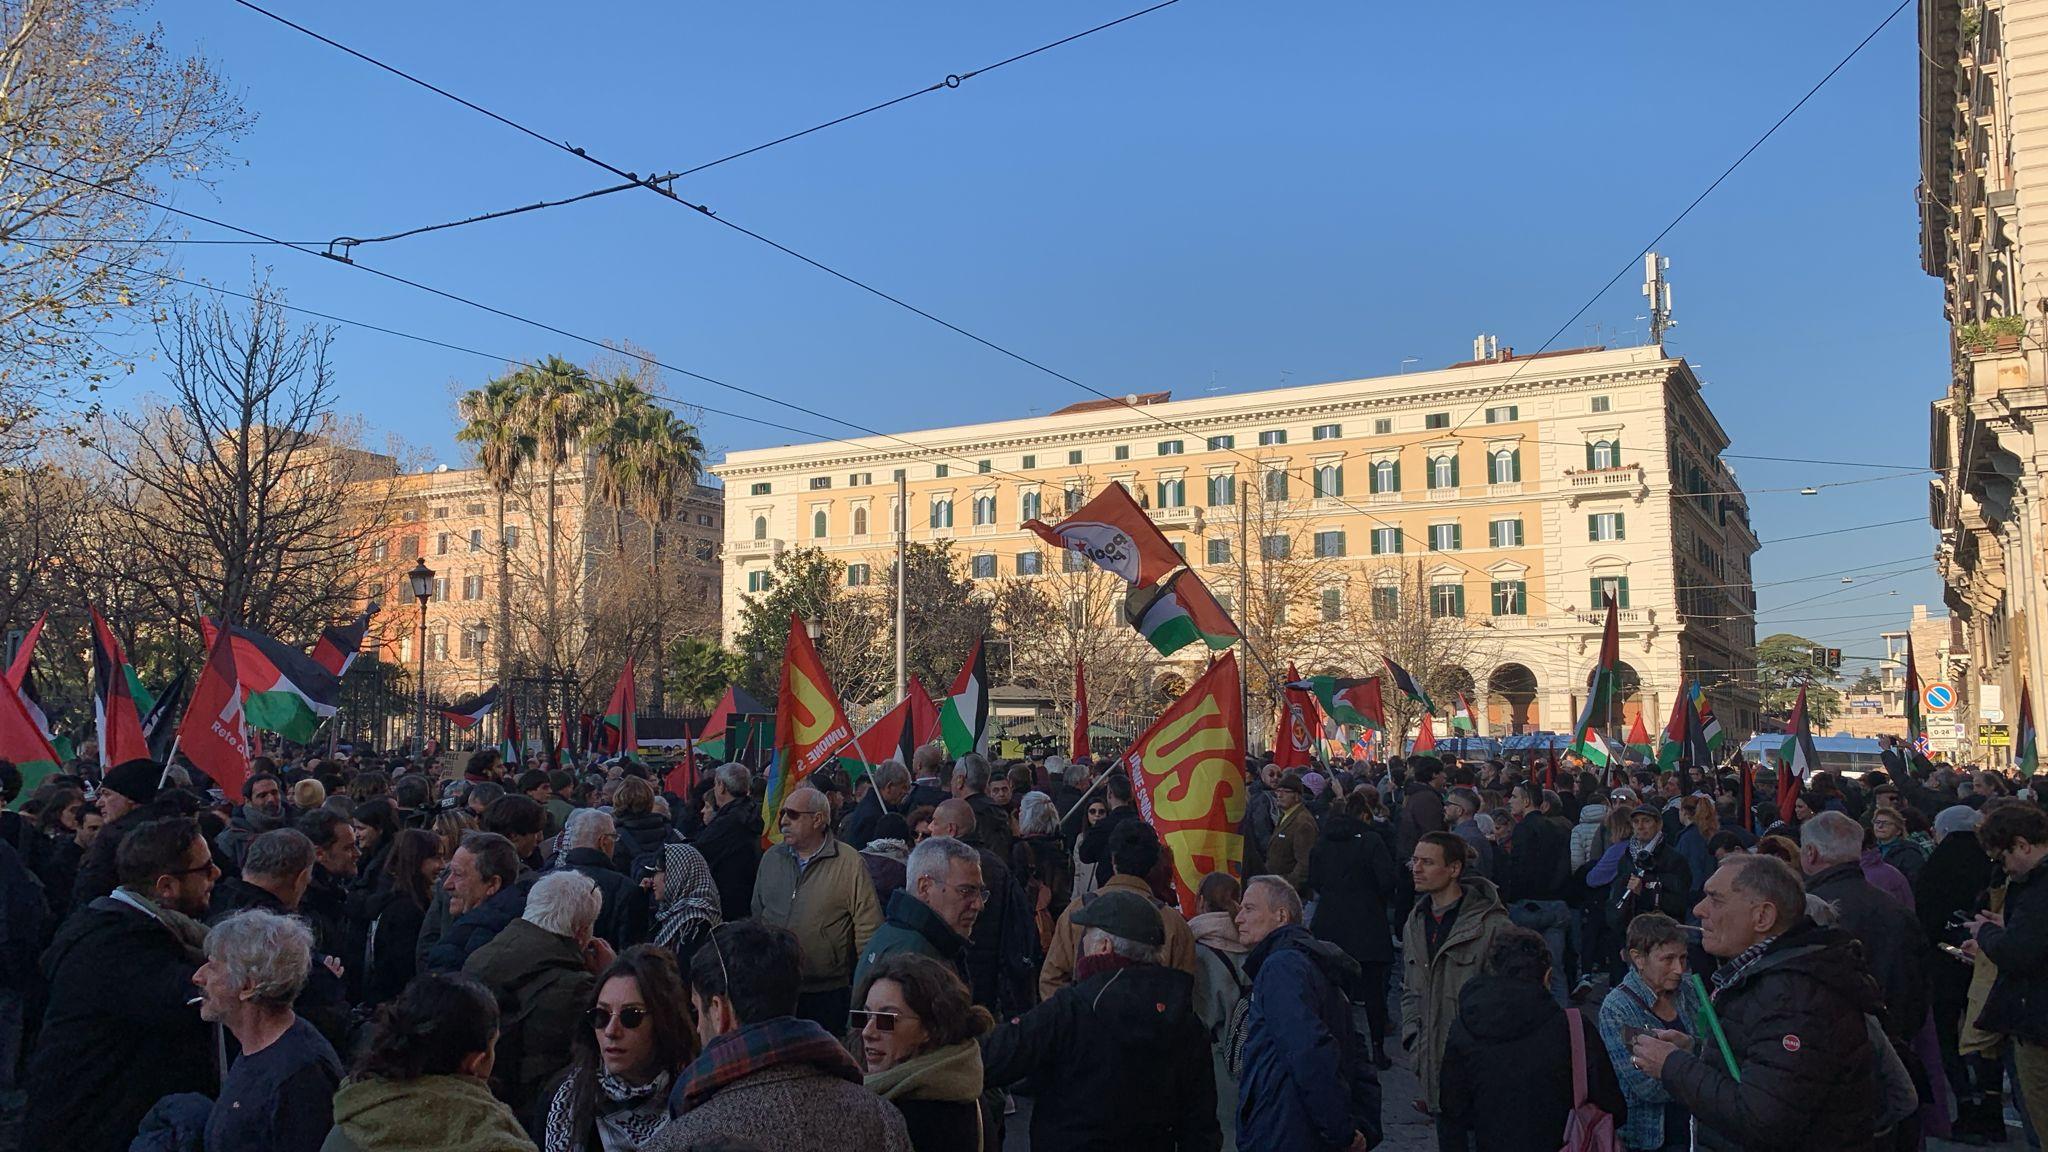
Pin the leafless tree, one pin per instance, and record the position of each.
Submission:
(1397, 613)
(233, 489)
(97, 116)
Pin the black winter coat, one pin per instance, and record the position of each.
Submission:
(1122, 1065)
(117, 1034)
(1308, 1082)
(2018, 1004)
(478, 926)
(731, 847)
(1667, 885)
(1422, 810)
(1003, 952)
(1094, 846)
(1894, 950)
(641, 834)
(625, 919)
(1539, 861)
(1794, 1020)
(97, 876)
(392, 956)
(1352, 872)
(942, 1125)
(1507, 1070)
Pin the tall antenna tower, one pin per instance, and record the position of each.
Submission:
(1658, 290)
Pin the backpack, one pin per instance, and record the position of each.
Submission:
(1239, 1024)
(1589, 1128)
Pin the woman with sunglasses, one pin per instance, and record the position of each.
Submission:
(919, 1034)
(637, 1037)
(1084, 873)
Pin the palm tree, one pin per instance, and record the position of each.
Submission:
(668, 458)
(554, 411)
(491, 424)
(618, 418)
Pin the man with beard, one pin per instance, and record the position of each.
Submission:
(118, 1032)
(262, 811)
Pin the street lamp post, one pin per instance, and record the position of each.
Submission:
(422, 580)
(483, 638)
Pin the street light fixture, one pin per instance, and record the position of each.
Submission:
(814, 629)
(421, 578)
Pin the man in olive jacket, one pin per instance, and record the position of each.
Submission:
(818, 888)
(1294, 834)
(1449, 932)
(542, 968)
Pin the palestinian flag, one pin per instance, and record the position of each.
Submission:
(1297, 730)
(1708, 729)
(897, 736)
(284, 691)
(719, 739)
(1116, 535)
(1461, 717)
(1348, 701)
(1079, 748)
(1639, 738)
(1797, 757)
(156, 720)
(1179, 612)
(619, 732)
(113, 699)
(963, 716)
(2026, 749)
(509, 742)
(1425, 740)
(810, 724)
(337, 647)
(1409, 686)
(1586, 738)
(24, 743)
(468, 713)
(21, 681)
(1915, 727)
(565, 744)
(213, 735)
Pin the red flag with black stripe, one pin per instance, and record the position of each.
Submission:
(113, 703)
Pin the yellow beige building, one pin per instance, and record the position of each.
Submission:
(1508, 492)
(1983, 203)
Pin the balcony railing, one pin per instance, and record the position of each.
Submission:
(1626, 617)
(1443, 493)
(1625, 476)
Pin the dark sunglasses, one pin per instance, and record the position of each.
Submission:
(858, 1020)
(600, 1018)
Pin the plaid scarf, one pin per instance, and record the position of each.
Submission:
(759, 1047)
(1727, 973)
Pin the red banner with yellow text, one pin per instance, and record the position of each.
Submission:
(810, 725)
(1187, 772)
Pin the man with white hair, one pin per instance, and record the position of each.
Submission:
(592, 838)
(279, 1093)
(1894, 947)
(934, 912)
(542, 969)
(891, 788)
(818, 888)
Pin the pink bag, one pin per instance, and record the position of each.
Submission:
(1589, 1128)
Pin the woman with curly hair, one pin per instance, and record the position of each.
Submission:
(424, 1080)
(918, 1034)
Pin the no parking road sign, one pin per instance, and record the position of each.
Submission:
(1939, 697)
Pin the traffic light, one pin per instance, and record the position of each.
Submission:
(1834, 657)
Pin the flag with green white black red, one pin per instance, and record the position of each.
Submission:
(510, 741)
(115, 715)
(337, 647)
(283, 689)
(1587, 740)
(1462, 719)
(1347, 700)
(1916, 729)
(1797, 755)
(470, 711)
(1179, 612)
(1409, 685)
(22, 682)
(23, 740)
(963, 714)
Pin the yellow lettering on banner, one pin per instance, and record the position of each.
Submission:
(812, 703)
(1200, 851)
(1190, 771)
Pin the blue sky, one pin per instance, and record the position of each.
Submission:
(1225, 192)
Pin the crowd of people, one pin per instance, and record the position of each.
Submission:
(365, 953)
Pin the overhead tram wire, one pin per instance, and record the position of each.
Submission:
(659, 183)
(669, 193)
(922, 451)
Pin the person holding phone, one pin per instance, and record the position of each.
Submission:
(1648, 999)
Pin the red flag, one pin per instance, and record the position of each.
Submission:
(1113, 532)
(1425, 740)
(1297, 735)
(810, 725)
(1079, 749)
(113, 704)
(924, 716)
(25, 655)
(1187, 774)
(621, 734)
(563, 745)
(212, 734)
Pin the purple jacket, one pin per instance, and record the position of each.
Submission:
(1885, 878)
